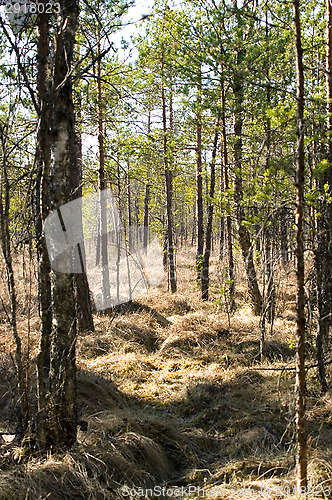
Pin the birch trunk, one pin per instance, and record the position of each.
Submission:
(62, 418)
(42, 210)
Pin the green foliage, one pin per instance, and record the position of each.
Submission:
(190, 50)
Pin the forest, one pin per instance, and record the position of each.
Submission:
(166, 249)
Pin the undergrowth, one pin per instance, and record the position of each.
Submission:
(185, 410)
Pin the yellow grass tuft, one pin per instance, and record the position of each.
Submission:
(188, 402)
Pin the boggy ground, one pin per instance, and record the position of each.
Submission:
(180, 410)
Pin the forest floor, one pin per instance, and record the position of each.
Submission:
(183, 408)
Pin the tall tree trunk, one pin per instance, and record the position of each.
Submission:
(62, 418)
(147, 194)
(270, 293)
(300, 304)
(329, 109)
(199, 180)
(322, 277)
(244, 235)
(284, 237)
(194, 226)
(208, 237)
(130, 236)
(102, 184)
(222, 236)
(230, 258)
(42, 210)
(222, 227)
(270, 299)
(82, 292)
(7, 254)
(324, 224)
(169, 190)
(146, 216)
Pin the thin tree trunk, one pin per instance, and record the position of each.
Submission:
(270, 294)
(324, 225)
(170, 253)
(82, 292)
(222, 238)
(147, 195)
(284, 237)
(300, 305)
(102, 185)
(169, 191)
(146, 216)
(270, 299)
(6, 250)
(329, 105)
(194, 226)
(119, 241)
(130, 236)
(208, 238)
(244, 235)
(322, 276)
(199, 180)
(136, 234)
(165, 254)
(231, 273)
(222, 227)
(257, 237)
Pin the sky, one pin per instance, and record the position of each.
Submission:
(131, 28)
(139, 9)
(135, 13)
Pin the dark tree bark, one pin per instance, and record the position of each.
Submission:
(222, 227)
(270, 294)
(165, 253)
(324, 225)
(284, 236)
(323, 296)
(146, 216)
(103, 247)
(44, 89)
(7, 254)
(208, 237)
(62, 404)
(244, 235)
(199, 181)
(194, 226)
(300, 304)
(230, 258)
(130, 236)
(82, 292)
(270, 299)
(147, 195)
(83, 303)
(169, 191)
(222, 236)
(57, 145)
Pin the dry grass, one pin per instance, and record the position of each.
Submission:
(186, 404)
